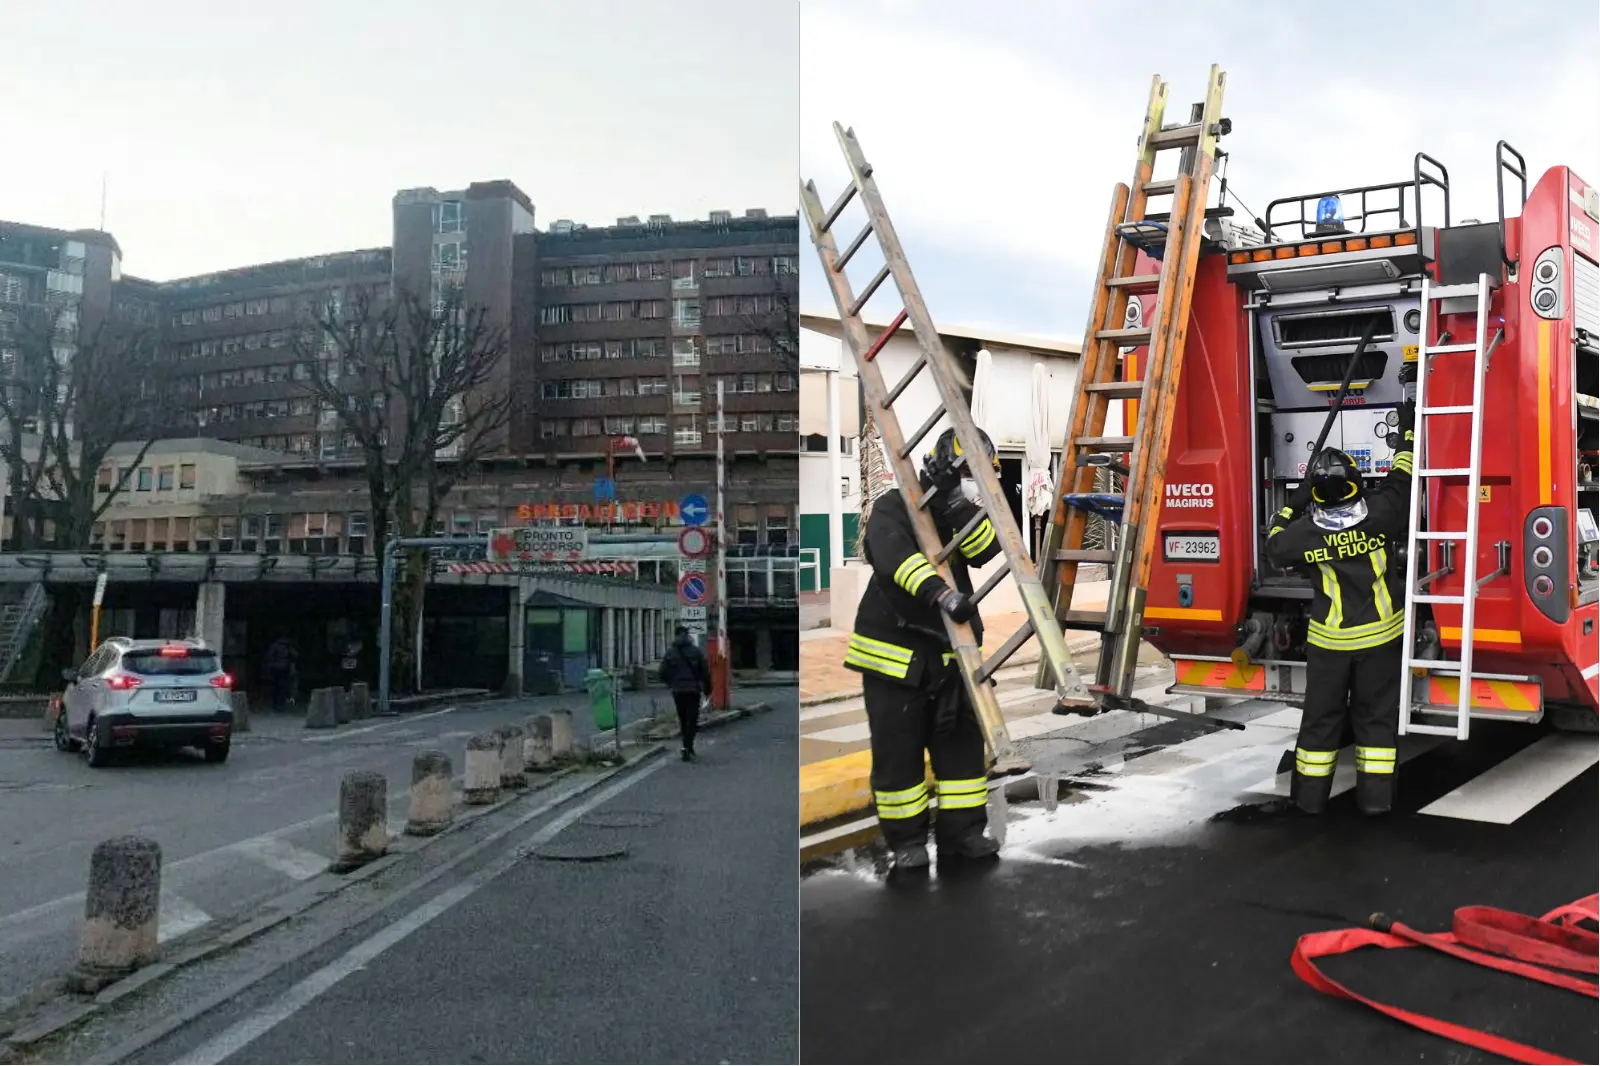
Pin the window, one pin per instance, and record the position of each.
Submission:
(744, 266)
(783, 382)
(785, 264)
(718, 268)
(654, 271)
(279, 305)
(686, 313)
(653, 386)
(451, 217)
(778, 525)
(588, 275)
(788, 424)
(652, 309)
(616, 311)
(588, 312)
(103, 481)
(616, 426)
(685, 352)
(255, 307)
(555, 315)
(619, 272)
(555, 276)
(725, 345)
(186, 476)
(747, 523)
(146, 481)
(586, 350)
(747, 383)
(652, 424)
(552, 427)
(755, 305)
(232, 310)
(187, 318)
(448, 255)
(272, 539)
(164, 478)
(586, 427)
(356, 538)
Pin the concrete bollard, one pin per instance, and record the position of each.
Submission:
(512, 755)
(481, 782)
(121, 912)
(342, 710)
(431, 799)
(241, 712)
(561, 735)
(320, 711)
(537, 749)
(360, 700)
(363, 819)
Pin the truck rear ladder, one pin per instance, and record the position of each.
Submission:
(976, 671)
(1423, 471)
(1176, 241)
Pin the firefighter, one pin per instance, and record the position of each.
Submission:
(912, 686)
(1346, 542)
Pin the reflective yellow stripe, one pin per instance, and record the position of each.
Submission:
(1314, 763)
(980, 539)
(1274, 531)
(1402, 462)
(1362, 630)
(880, 648)
(1357, 638)
(1380, 587)
(860, 659)
(1286, 512)
(963, 794)
(913, 572)
(1375, 760)
(1330, 589)
(907, 803)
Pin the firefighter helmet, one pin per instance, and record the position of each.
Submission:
(943, 462)
(1335, 479)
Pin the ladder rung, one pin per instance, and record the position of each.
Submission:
(1440, 535)
(855, 246)
(838, 207)
(1137, 284)
(1176, 137)
(1161, 187)
(1131, 337)
(1007, 650)
(911, 375)
(1436, 730)
(1446, 292)
(1117, 390)
(1082, 619)
(1458, 600)
(962, 534)
(1211, 212)
(872, 286)
(1105, 444)
(1086, 555)
(883, 338)
(1444, 471)
(1454, 409)
(922, 431)
(1002, 572)
(1445, 348)
(1431, 663)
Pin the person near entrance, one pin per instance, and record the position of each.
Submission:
(916, 701)
(686, 672)
(282, 672)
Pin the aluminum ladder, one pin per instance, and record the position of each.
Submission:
(1412, 667)
(1175, 239)
(976, 671)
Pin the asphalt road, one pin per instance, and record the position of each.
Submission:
(230, 835)
(683, 949)
(1150, 918)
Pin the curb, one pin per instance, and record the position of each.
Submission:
(57, 1017)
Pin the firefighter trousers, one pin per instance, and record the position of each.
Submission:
(1361, 689)
(903, 724)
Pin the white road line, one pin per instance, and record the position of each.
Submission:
(284, 857)
(1508, 790)
(300, 995)
(178, 916)
(844, 734)
(323, 738)
(1344, 773)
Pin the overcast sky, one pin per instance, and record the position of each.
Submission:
(245, 133)
(998, 130)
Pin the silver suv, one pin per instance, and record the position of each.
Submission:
(149, 693)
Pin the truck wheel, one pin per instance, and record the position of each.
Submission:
(1571, 719)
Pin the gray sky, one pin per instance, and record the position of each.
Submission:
(998, 130)
(245, 133)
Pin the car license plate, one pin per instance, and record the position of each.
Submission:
(175, 695)
(1193, 547)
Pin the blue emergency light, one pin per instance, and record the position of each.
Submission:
(1330, 215)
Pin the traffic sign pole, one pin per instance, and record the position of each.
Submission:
(722, 670)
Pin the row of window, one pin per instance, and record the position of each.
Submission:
(303, 304)
(646, 348)
(597, 388)
(154, 478)
(647, 425)
(685, 311)
(681, 269)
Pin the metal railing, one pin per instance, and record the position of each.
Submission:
(811, 560)
(760, 581)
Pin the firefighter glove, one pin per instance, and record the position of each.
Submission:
(958, 605)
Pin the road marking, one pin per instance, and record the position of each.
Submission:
(323, 738)
(1344, 773)
(284, 857)
(178, 916)
(844, 734)
(300, 995)
(1508, 790)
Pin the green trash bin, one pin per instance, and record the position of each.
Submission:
(602, 700)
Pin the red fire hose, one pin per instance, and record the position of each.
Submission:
(1536, 948)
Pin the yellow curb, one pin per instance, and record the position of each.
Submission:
(833, 788)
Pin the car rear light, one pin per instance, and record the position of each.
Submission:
(218, 731)
(123, 682)
(221, 680)
(175, 651)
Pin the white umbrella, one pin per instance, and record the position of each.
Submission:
(980, 389)
(1036, 483)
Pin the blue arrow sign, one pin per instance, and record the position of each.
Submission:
(694, 509)
(692, 589)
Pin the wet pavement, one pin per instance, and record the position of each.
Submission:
(1150, 916)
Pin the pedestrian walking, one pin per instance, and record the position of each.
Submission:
(282, 671)
(686, 672)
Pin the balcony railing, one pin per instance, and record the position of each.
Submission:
(686, 436)
(685, 358)
(762, 581)
(687, 399)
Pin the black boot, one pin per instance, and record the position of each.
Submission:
(1311, 794)
(1375, 793)
(972, 846)
(911, 857)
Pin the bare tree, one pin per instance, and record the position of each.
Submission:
(412, 383)
(68, 395)
(779, 326)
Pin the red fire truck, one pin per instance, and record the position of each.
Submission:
(1277, 312)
